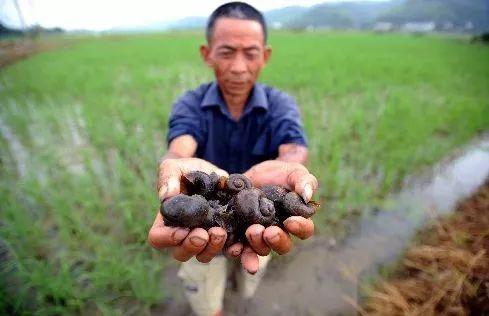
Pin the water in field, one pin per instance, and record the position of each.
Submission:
(323, 278)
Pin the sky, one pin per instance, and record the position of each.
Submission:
(100, 15)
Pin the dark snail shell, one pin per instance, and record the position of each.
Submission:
(237, 182)
(187, 211)
(201, 183)
(293, 205)
(252, 207)
(289, 203)
(274, 193)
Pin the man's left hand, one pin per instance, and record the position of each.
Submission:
(294, 177)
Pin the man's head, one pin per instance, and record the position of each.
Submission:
(235, 10)
(236, 47)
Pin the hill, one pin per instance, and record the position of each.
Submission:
(353, 14)
(446, 14)
(459, 13)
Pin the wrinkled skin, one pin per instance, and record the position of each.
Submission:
(232, 204)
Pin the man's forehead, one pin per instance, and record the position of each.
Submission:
(232, 30)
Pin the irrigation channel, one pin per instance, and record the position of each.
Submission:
(323, 278)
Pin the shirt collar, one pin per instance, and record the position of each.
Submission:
(258, 98)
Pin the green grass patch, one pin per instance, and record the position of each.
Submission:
(83, 127)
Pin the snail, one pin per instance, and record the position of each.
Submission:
(232, 203)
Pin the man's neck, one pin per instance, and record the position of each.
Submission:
(236, 104)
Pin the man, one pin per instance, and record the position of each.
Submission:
(233, 125)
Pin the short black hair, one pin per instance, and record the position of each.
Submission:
(236, 10)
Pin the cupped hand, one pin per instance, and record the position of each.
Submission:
(204, 245)
(185, 243)
(292, 176)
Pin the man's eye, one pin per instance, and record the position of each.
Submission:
(226, 54)
(251, 56)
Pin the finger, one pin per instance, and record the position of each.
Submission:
(220, 172)
(305, 184)
(249, 260)
(299, 226)
(161, 236)
(195, 243)
(277, 239)
(254, 234)
(202, 165)
(234, 251)
(173, 187)
(217, 238)
(169, 176)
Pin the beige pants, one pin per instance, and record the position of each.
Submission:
(204, 283)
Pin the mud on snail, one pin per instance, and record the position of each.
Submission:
(208, 200)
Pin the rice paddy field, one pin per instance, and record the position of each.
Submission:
(82, 128)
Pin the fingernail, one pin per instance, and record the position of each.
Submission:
(216, 239)
(292, 225)
(307, 193)
(251, 272)
(235, 253)
(162, 193)
(197, 241)
(180, 234)
(274, 238)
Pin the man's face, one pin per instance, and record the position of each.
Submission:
(236, 53)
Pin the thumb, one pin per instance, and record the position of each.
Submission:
(305, 186)
(169, 188)
(305, 192)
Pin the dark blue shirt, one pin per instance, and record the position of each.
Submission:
(270, 118)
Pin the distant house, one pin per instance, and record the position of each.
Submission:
(382, 27)
(419, 27)
(447, 26)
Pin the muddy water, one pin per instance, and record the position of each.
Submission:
(320, 278)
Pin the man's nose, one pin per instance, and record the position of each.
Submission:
(238, 65)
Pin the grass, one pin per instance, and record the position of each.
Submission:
(83, 127)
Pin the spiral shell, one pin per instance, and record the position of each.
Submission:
(237, 182)
(201, 183)
(252, 207)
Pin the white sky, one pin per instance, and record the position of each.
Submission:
(106, 14)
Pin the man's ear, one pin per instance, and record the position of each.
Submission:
(205, 52)
(267, 53)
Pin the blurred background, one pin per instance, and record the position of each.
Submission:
(394, 97)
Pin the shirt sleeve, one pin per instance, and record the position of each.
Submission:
(287, 125)
(185, 119)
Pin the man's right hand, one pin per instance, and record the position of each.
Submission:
(184, 242)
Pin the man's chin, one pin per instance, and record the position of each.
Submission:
(239, 89)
